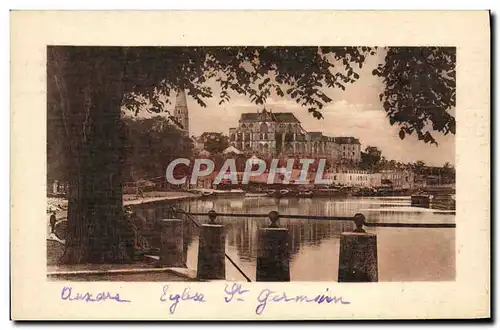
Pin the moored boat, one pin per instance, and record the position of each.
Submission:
(230, 193)
(330, 192)
(271, 193)
(443, 202)
(284, 192)
(250, 194)
(207, 193)
(307, 193)
(278, 193)
(420, 200)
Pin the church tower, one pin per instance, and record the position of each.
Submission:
(181, 113)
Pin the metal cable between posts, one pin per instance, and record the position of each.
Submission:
(410, 225)
(282, 216)
(332, 218)
(198, 225)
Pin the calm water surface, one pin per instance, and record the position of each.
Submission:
(404, 254)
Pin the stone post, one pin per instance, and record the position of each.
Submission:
(172, 247)
(273, 264)
(358, 254)
(211, 252)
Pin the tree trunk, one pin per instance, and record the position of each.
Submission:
(89, 90)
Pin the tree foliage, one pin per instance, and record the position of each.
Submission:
(419, 90)
(419, 81)
(370, 158)
(214, 142)
(150, 145)
(301, 73)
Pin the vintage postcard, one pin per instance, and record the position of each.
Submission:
(250, 165)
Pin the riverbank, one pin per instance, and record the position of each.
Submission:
(158, 196)
(137, 272)
(60, 205)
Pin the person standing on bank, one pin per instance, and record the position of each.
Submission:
(53, 221)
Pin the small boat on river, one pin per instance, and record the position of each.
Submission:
(307, 193)
(250, 194)
(271, 193)
(278, 193)
(230, 193)
(207, 193)
(439, 201)
(216, 193)
(330, 192)
(284, 192)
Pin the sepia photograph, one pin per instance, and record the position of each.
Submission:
(327, 165)
(251, 163)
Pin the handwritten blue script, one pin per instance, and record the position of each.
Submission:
(68, 294)
(175, 298)
(268, 296)
(234, 292)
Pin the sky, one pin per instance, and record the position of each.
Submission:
(356, 112)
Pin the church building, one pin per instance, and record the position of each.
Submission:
(280, 133)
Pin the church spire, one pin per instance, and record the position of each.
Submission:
(181, 99)
(181, 112)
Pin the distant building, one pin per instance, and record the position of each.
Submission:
(268, 133)
(349, 148)
(398, 179)
(354, 178)
(320, 145)
(281, 133)
(375, 179)
(57, 188)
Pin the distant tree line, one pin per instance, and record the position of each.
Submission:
(373, 160)
(150, 145)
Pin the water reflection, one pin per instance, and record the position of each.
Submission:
(403, 253)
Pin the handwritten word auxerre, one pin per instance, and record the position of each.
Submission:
(68, 294)
(175, 298)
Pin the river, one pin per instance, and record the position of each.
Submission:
(404, 254)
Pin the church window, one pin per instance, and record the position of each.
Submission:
(263, 128)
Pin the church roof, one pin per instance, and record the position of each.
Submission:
(315, 135)
(280, 117)
(346, 140)
(252, 116)
(285, 117)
